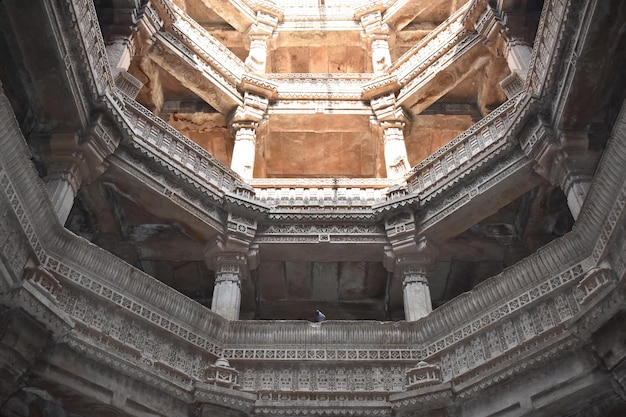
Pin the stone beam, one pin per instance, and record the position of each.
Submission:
(403, 12)
(162, 198)
(479, 199)
(196, 75)
(452, 69)
(237, 14)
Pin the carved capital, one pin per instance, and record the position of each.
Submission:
(400, 229)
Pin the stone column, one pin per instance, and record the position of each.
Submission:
(410, 259)
(260, 33)
(381, 57)
(64, 175)
(416, 293)
(120, 51)
(244, 124)
(396, 158)
(518, 53)
(231, 256)
(244, 150)
(378, 33)
(257, 57)
(62, 182)
(572, 168)
(573, 173)
(230, 270)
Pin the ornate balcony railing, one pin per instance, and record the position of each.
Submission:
(549, 35)
(206, 46)
(452, 162)
(526, 315)
(429, 49)
(163, 142)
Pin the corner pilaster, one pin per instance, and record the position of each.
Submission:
(410, 259)
(231, 257)
(260, 34)
(392, 121)
(244, 124)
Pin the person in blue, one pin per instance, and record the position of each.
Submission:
(320, 316)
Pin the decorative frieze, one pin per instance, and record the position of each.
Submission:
(323, 379)
(304, 233)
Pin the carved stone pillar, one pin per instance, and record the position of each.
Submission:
(244, 150)
(62, 182)
(518, 53)
(244, 123)
(260, 33)
(396, 158)
(230, 271)
(381, 57)
(231, 257)
(378, 34)
(416, 293)
(257, 57)
(74, 160)
(413, 267)
(572, 169)
(573, 173)
(120, 51)
(410, 259)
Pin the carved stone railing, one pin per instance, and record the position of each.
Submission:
(206, 46)
(90, 36)
(306, 193)
(162, 142)
(120, 314)
(549, 35)
(323, 196)
(429, 49)
(452, 162)
(314, 9)
(362, 183)
(437, 51)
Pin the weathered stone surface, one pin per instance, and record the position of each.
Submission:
(529, 300)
